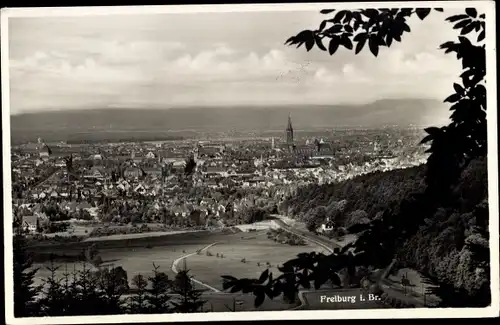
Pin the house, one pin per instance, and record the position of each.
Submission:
(132, 172)
(150, 155)
(95, 173)
(328, 226)
(179, 164)
(213, 171)
(209, 152)
(141, 189)
(157, 172)
(30, 223)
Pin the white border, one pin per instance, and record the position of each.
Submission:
(485, 6)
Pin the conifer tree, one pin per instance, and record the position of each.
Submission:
(25, 291)
(157, 296)
(190, 298)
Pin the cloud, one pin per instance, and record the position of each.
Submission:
(161, 72)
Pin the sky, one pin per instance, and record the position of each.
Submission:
(214, 59)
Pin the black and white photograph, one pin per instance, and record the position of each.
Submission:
(250, 162)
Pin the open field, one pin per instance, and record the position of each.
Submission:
(254, 247)
(135, 255)
(134, 261)
(178, 239)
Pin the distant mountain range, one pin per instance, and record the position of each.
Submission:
(401, 112)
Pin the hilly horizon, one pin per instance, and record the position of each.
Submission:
(400, 112)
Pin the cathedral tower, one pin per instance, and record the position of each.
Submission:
(289, 135)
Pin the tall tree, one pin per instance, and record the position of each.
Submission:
(190, 298)
(25, 290)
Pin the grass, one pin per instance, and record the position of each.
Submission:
(135, 255)
(134, 261)
(246, 255)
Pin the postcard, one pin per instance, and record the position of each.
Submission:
(250, 162)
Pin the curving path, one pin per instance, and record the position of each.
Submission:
(176, 262)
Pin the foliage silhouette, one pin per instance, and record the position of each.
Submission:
(452, 148)
(190, 298)
(157, 296)
(138, 302)
(25, 291)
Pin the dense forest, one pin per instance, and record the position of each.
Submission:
(439, 249)
(348, 202)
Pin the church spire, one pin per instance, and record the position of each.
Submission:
(289, 134)
(289, 122)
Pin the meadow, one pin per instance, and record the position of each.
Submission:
(246, 254)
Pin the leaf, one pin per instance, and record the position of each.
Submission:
(373, 44)
(348, 17)
(327, 11)
(482, 16)
(348, 29)
(462, 24)
(439, 9)
(434, 131)
(427, 139)
(334, 45)
(236, 288)
(322, 25)
(388, 40)
(471, 12)
(264, 276)
(452, 98)
(360, 45)
(259, 299)
(477, 26)
(381, 41)
(338, 17)
(481, 36)
(406, 28)
(270, 293)
(335, 29)
(455, 18)
(309, 44)
(277, 289)
(464, 40)
(446, 45)
(458, 88)
(319, 43)
(423, 12)
(346, 41)
(467, 29)
(360, 36)
(290, 41)
(370, 13)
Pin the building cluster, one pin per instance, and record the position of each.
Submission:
(182, 176)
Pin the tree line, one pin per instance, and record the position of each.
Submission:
(98, 290)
